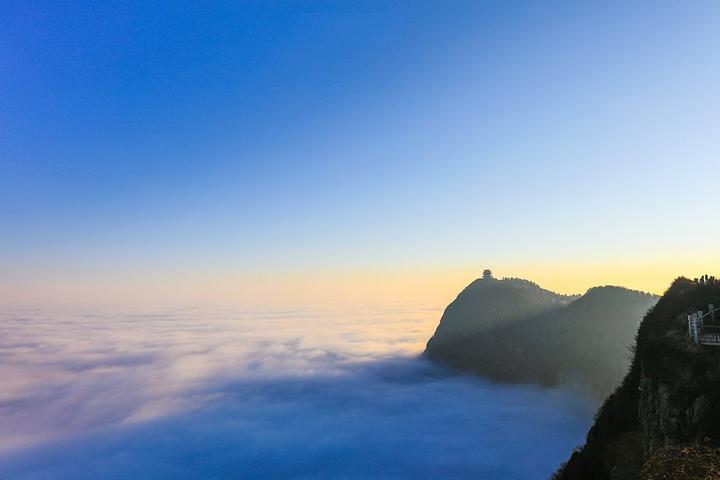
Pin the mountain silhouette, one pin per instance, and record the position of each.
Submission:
(513, 330)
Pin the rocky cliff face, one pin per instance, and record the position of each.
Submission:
(663, 419)
(669, 419)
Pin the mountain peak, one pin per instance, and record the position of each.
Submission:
(513, 329)
(488, 302)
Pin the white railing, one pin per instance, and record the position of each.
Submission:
(704, 334)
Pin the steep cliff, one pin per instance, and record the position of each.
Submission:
(664, 418)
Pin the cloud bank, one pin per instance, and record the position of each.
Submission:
(233, 394)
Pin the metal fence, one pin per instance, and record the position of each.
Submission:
(701, 333)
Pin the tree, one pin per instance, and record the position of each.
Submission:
(487, 275)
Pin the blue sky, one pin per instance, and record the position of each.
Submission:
(237, 137)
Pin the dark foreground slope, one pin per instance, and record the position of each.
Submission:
(663, 421)
(582, 340)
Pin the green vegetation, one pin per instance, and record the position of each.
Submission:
(686, 463)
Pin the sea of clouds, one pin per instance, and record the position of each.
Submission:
(237, 394)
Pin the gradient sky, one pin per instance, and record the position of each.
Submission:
(251, 150)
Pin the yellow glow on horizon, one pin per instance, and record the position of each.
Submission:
(426, 286)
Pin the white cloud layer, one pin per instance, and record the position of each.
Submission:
(284, 394)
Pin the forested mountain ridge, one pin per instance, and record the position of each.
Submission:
(582, 340)
(488, 303)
